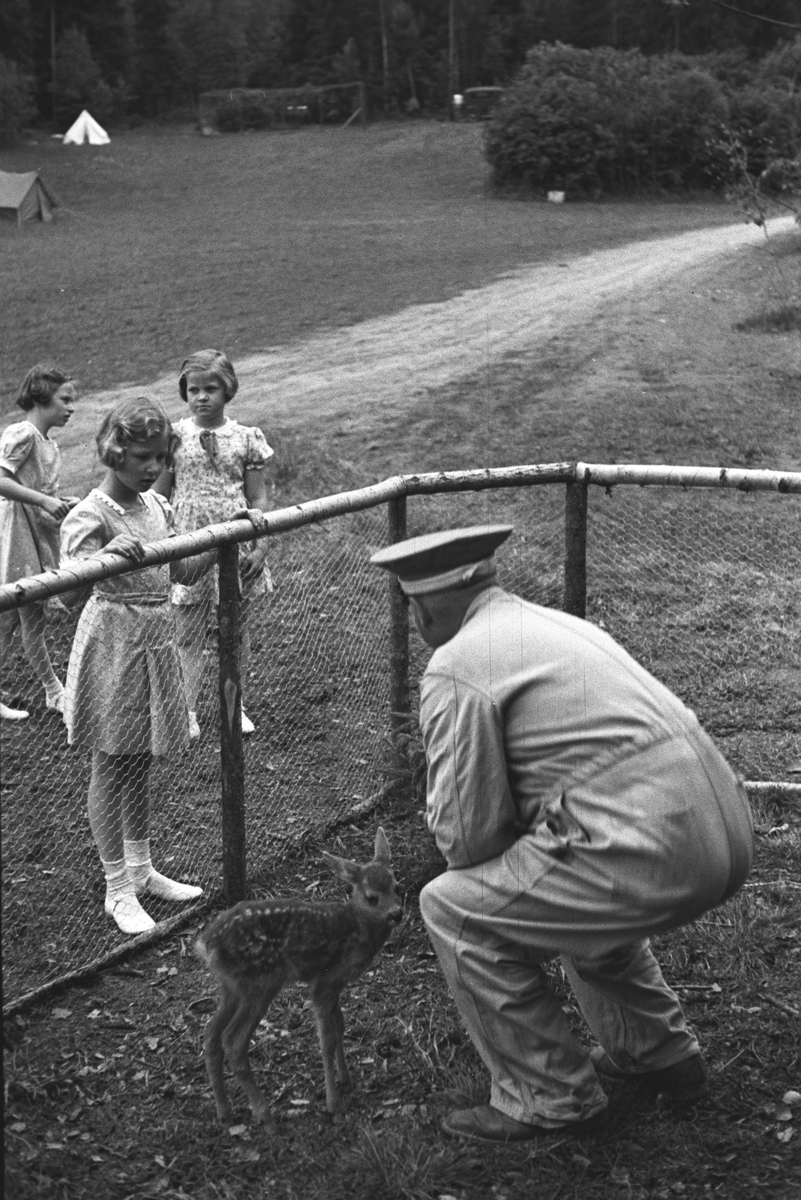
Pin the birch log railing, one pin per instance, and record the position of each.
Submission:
(582, 482)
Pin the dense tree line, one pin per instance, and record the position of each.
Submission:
(122, 58)
(601, 121)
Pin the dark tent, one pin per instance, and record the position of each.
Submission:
(25, 196)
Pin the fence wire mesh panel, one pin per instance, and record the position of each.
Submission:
(316, 685)
(531, 563)
(53, 884)
(702, 587)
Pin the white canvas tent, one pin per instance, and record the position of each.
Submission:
(25, 196)
(86, 129)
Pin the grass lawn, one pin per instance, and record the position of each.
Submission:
(168, 241)
(173, 241)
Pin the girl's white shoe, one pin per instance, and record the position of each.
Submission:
(162, 886)
(194, 727)
(13, 714)
(131, 918)
(247, 724)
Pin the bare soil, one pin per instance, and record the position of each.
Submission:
(349, 382)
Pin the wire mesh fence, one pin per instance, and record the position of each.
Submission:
(234, 109)
(701, 586)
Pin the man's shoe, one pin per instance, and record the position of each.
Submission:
(488, 1124)
(684, 1082)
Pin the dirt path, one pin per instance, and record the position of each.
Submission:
(334, 376)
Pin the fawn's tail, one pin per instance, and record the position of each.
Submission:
(202, 951)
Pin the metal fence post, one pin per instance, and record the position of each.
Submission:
(398, 627)
(232, 759)
(575, 595)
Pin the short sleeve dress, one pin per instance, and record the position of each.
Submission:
(209, 487)
(29, 537)
(124, 687)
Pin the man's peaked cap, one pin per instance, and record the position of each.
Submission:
(451, 558)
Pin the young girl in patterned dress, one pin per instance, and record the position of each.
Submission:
(125, 697)
(218, 470)
(31, 511)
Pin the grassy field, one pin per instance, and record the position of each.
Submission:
(168, 241)
(172, 241)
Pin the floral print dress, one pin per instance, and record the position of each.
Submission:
(209, 487)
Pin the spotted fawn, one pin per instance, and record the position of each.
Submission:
(259, 947)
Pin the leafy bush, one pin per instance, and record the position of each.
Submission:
(594, 121)
(16, 100)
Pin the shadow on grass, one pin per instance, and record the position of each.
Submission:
(782, 319)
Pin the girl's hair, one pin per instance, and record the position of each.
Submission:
(133, 420)
(213, 362)
(40, 385)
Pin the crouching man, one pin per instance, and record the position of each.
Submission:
(580, 808)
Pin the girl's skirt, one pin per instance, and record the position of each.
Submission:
(124, 687)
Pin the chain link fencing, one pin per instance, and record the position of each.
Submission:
(700, 585)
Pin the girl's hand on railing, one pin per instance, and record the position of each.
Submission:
(126, 545)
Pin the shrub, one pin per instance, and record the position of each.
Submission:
(592, 121)
(16, 100)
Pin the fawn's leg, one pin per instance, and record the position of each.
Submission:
(213, 1050)
(252, 1004)
(330, 1027)
(342, 1066)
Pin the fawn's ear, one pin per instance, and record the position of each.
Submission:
(381, 853)
(343, 867)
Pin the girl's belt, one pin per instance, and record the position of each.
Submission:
(151, 598)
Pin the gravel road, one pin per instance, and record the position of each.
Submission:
(333, 375)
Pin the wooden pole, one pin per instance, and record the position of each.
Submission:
(398, 627)
(232, 759)
(451, 56)
(53, 56)
(575, 596)
(382, 18)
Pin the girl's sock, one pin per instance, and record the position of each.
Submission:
(121, 902)
(146, 879)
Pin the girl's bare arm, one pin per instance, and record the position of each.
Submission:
(56, 506)
(255, 488)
